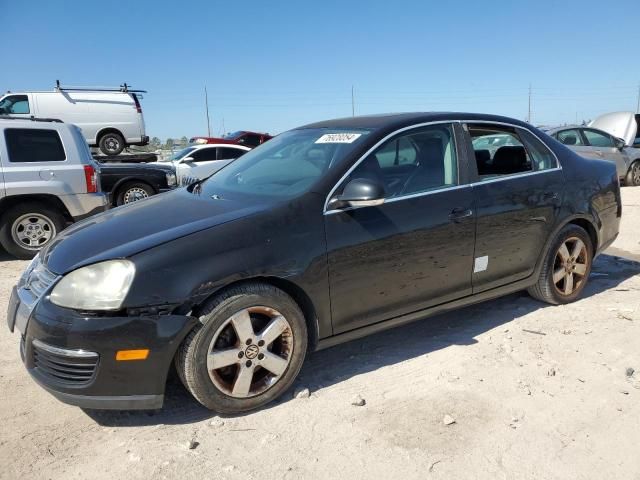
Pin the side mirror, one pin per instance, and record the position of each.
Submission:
(187, 160)
(619, 143)
(359, 192)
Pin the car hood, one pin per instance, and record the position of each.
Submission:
(133, 228)
(619, 124)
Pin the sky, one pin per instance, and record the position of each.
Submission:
(272, 66)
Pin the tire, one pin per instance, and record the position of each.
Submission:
(565, 265)
(633, 175)
(220, 388)
(32, 223)
(111, 143)
(132, 192)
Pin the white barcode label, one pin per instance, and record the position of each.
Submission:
(339, 138)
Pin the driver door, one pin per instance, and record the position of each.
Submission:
(413, 251)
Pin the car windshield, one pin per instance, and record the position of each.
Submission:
(180, 154)
(287, 165)
(232, 135)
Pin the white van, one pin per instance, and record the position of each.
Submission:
(109, 118)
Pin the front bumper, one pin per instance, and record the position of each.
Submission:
(57, 347)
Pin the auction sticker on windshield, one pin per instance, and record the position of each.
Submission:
(339, 138)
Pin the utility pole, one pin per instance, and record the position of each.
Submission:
(353, 104)
(529, 114)
(206, 102)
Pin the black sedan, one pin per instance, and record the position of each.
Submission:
(129, 182)
(323, 234)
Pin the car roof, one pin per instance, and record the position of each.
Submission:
(551, 131)
(399, 120)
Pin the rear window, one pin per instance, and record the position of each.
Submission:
(34, 145)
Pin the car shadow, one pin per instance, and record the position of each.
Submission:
(339, 363)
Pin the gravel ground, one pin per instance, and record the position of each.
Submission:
(509, 389)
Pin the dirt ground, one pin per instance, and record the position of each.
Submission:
(536, 391)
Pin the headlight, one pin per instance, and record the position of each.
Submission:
(171, 179)
(102, 286)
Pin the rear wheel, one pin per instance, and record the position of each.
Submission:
(633, 175)
(111, 143)
(25, 229)
(132, 192)
(566, 268)
(247, 351)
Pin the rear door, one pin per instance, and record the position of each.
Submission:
(518, 192)
(413, 251)
(575, 140)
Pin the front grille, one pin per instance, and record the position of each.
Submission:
(73, 367)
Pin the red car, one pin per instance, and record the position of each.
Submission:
(242, 137)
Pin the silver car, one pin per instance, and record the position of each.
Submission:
(593, 143)
(48, 179)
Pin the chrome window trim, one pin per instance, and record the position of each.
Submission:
(444, 188)
(63, 352)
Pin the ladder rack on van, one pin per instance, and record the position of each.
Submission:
(124, 88)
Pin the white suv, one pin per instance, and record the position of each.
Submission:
(48, 179)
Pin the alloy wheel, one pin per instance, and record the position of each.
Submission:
(134, 194)
(242, 363)
(635, 173)
(32, 231)
(570, 266)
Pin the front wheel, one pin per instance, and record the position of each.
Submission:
(246, 352)
(566, 268)
(633, 175)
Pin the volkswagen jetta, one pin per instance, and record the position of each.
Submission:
(325, 233)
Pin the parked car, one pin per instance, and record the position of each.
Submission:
(130, 182)
(624, 125)
(48, 179)
(315, 238)
(111, 120)
(242, 137)
(594, 143)
(199, 161)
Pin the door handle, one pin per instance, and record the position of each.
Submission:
(458, 214)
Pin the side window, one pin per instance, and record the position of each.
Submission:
(539, 154)
(229, 153)
(597, 139)
(204, 155)
(397, 152)
(421, 160)
(34, 145)
(14, 104)
(570, 137)
(250, 140)
(498, 151)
